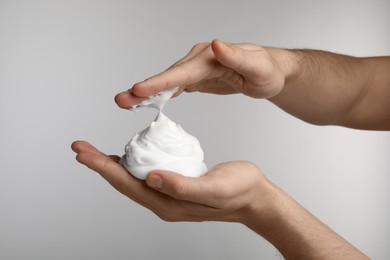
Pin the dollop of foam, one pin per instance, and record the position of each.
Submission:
(156, 101)
(164, 145)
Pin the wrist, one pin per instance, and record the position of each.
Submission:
(287, 60)
(267, 209)
(294, 231)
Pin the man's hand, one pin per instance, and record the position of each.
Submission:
(219, 68)
(318, 87)
(232, 191)
(227, 192)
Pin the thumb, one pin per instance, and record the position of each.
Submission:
(180, 187)
(234, 57)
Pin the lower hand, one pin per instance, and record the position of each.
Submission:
(229, 191)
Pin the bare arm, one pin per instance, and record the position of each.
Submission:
(296, 233)
(328, 88)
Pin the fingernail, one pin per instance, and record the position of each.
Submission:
(74, 148)
(155, 182)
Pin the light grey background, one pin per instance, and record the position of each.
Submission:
(62, 62)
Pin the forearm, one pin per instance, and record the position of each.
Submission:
(331, 89)
(296, 233)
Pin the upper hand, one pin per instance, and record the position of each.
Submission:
(227, 192)
(218, 68)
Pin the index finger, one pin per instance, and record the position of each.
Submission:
(201, 66)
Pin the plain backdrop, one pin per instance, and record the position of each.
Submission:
(62, 62)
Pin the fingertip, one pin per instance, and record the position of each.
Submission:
(122, 99)
(216, 43)
(73, 146)
(154, 181)
(76, 145)
(173, 184)
(219, 47)
(224, 53)
(127, 99)
(85, 147)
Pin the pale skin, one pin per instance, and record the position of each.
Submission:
(317, 87)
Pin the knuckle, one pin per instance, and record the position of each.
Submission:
(200, 45)
(119, 186)
(179, 190)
